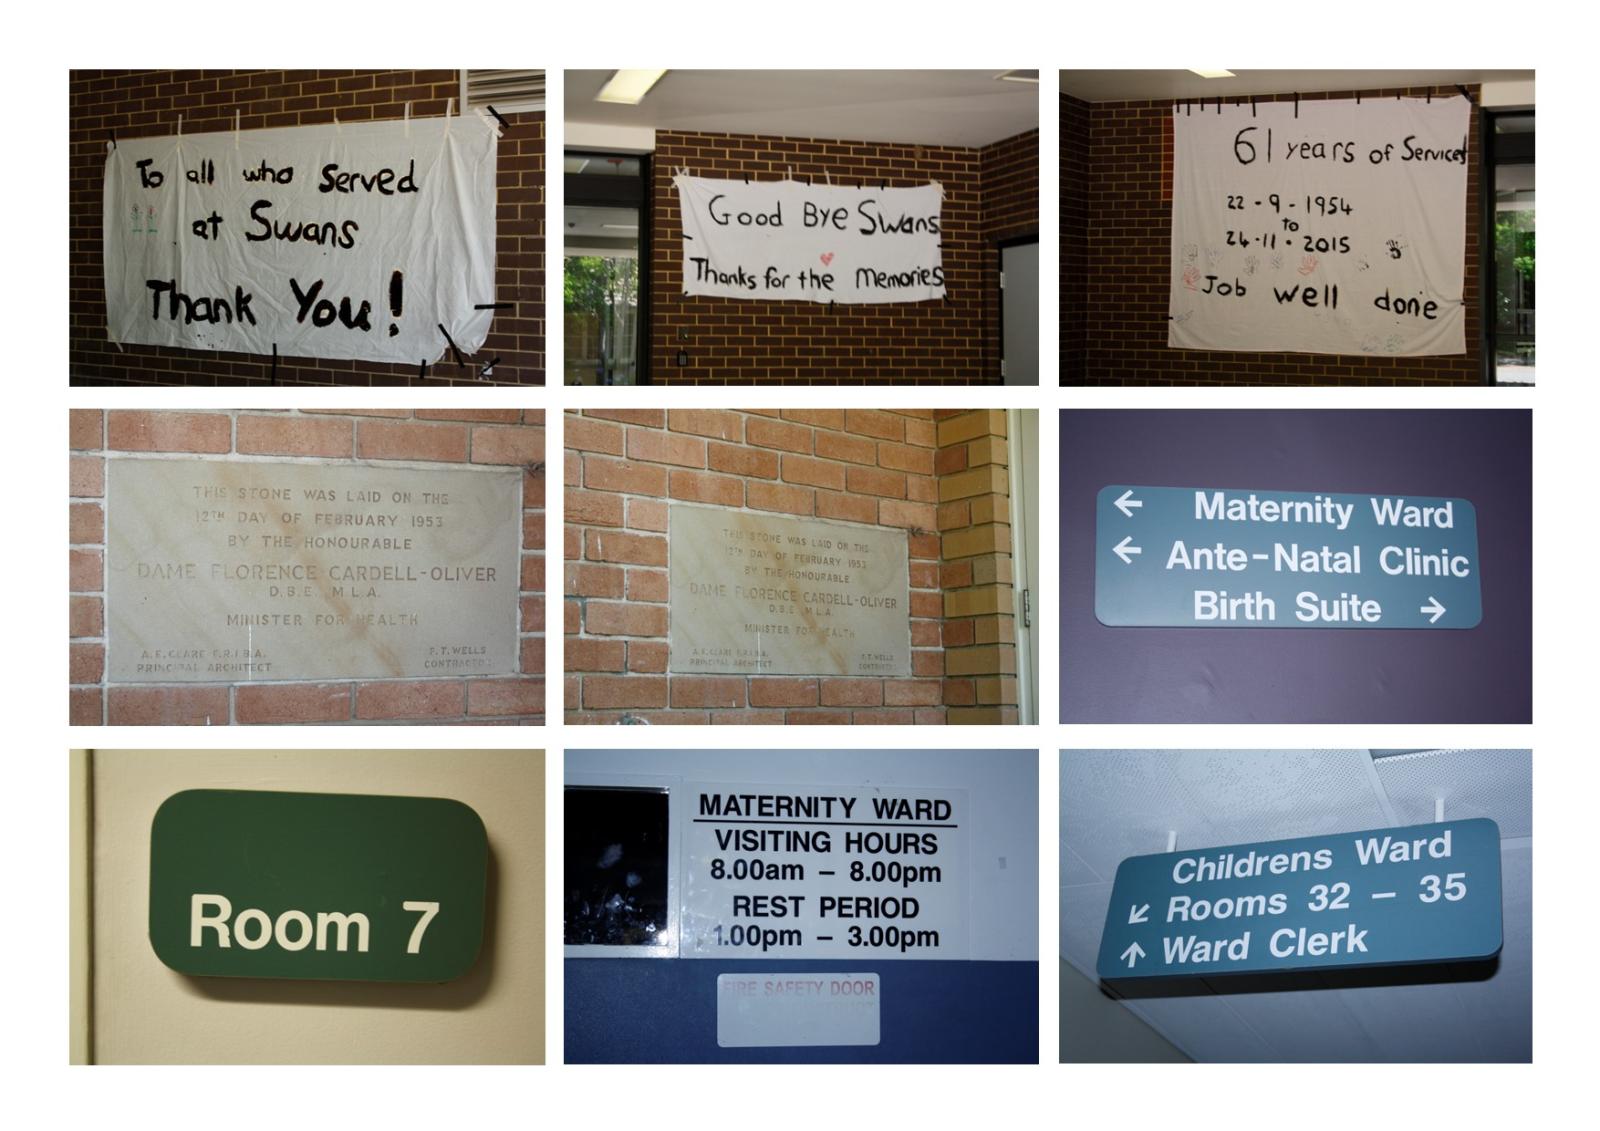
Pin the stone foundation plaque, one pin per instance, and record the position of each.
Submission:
(761, 594)
(236, 570)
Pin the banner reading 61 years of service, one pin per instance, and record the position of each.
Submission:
(811, 242)
(1320, 226)
(354, 241)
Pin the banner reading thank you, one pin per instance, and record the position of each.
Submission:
(817, 243)
(1320, 226)
(354, 241)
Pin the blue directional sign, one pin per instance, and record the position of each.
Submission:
(1211, 557)
(1386, 897)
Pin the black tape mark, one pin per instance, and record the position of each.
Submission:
(1297, 104)
(113, 134)
(422, 369)
(452, 341)
(503, 123)
(484, 371)
(1465, 93)
(494, 306)
(274, 363)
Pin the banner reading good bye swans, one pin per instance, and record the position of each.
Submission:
(355, 241)
(818, 243)
(1320, 226)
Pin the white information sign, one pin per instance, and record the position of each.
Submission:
(811, 242)
(1320, 226)
(357, 241)
(796, 1010)
(774, 871)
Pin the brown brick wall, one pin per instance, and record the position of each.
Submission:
(1074, 235)
(1124, 289)
(1009, 182)
(483, 436)
(742, 340)
(148, 103)
(623, 467)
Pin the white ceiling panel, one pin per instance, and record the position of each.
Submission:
(1204, 1023)
(1497, 784)
(1123, 86)
(946, 107)
(1121, 803)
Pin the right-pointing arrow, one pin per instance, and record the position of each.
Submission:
(1138, 914)
(1433, 607)
(1133, 954)
(1124, 551)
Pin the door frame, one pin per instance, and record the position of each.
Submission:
(1023, 443)
(620, 192)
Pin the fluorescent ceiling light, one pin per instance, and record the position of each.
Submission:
(1212, 74)
(622, 227)
(1018, 76)
(629, 87)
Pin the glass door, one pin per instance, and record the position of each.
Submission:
(604, 279)
(1512, 230)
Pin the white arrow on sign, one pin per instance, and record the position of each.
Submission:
(1133, 954)
(1126, 502)
(1138, 914)
(1123, 550)
(1433, 607)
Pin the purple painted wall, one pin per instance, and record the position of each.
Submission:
(1281, 675)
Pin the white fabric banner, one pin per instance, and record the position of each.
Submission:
(1334, 228)
(352, 241)
(817, 242)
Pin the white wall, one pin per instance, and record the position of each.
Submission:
(143, 1012)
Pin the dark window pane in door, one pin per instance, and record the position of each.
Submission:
(616, 867)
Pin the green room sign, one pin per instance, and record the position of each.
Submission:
(349, 887)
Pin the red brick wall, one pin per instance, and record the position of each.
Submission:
(148, 103)
(1009, 187)
(1074, 234)
(747, 340)
(484, 436)
(1127, 227)
(622, 469)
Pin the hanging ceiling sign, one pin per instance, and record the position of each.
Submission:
(1320, 226)
(347, 887)
(370, 241)
(1387, 897)
(1207, 557)
(811, 242)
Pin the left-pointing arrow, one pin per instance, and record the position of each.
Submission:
(1133, 954)
(1139, 914)
(1125, 551)
(1126, 503)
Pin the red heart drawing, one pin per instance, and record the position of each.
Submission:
(827, 258)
